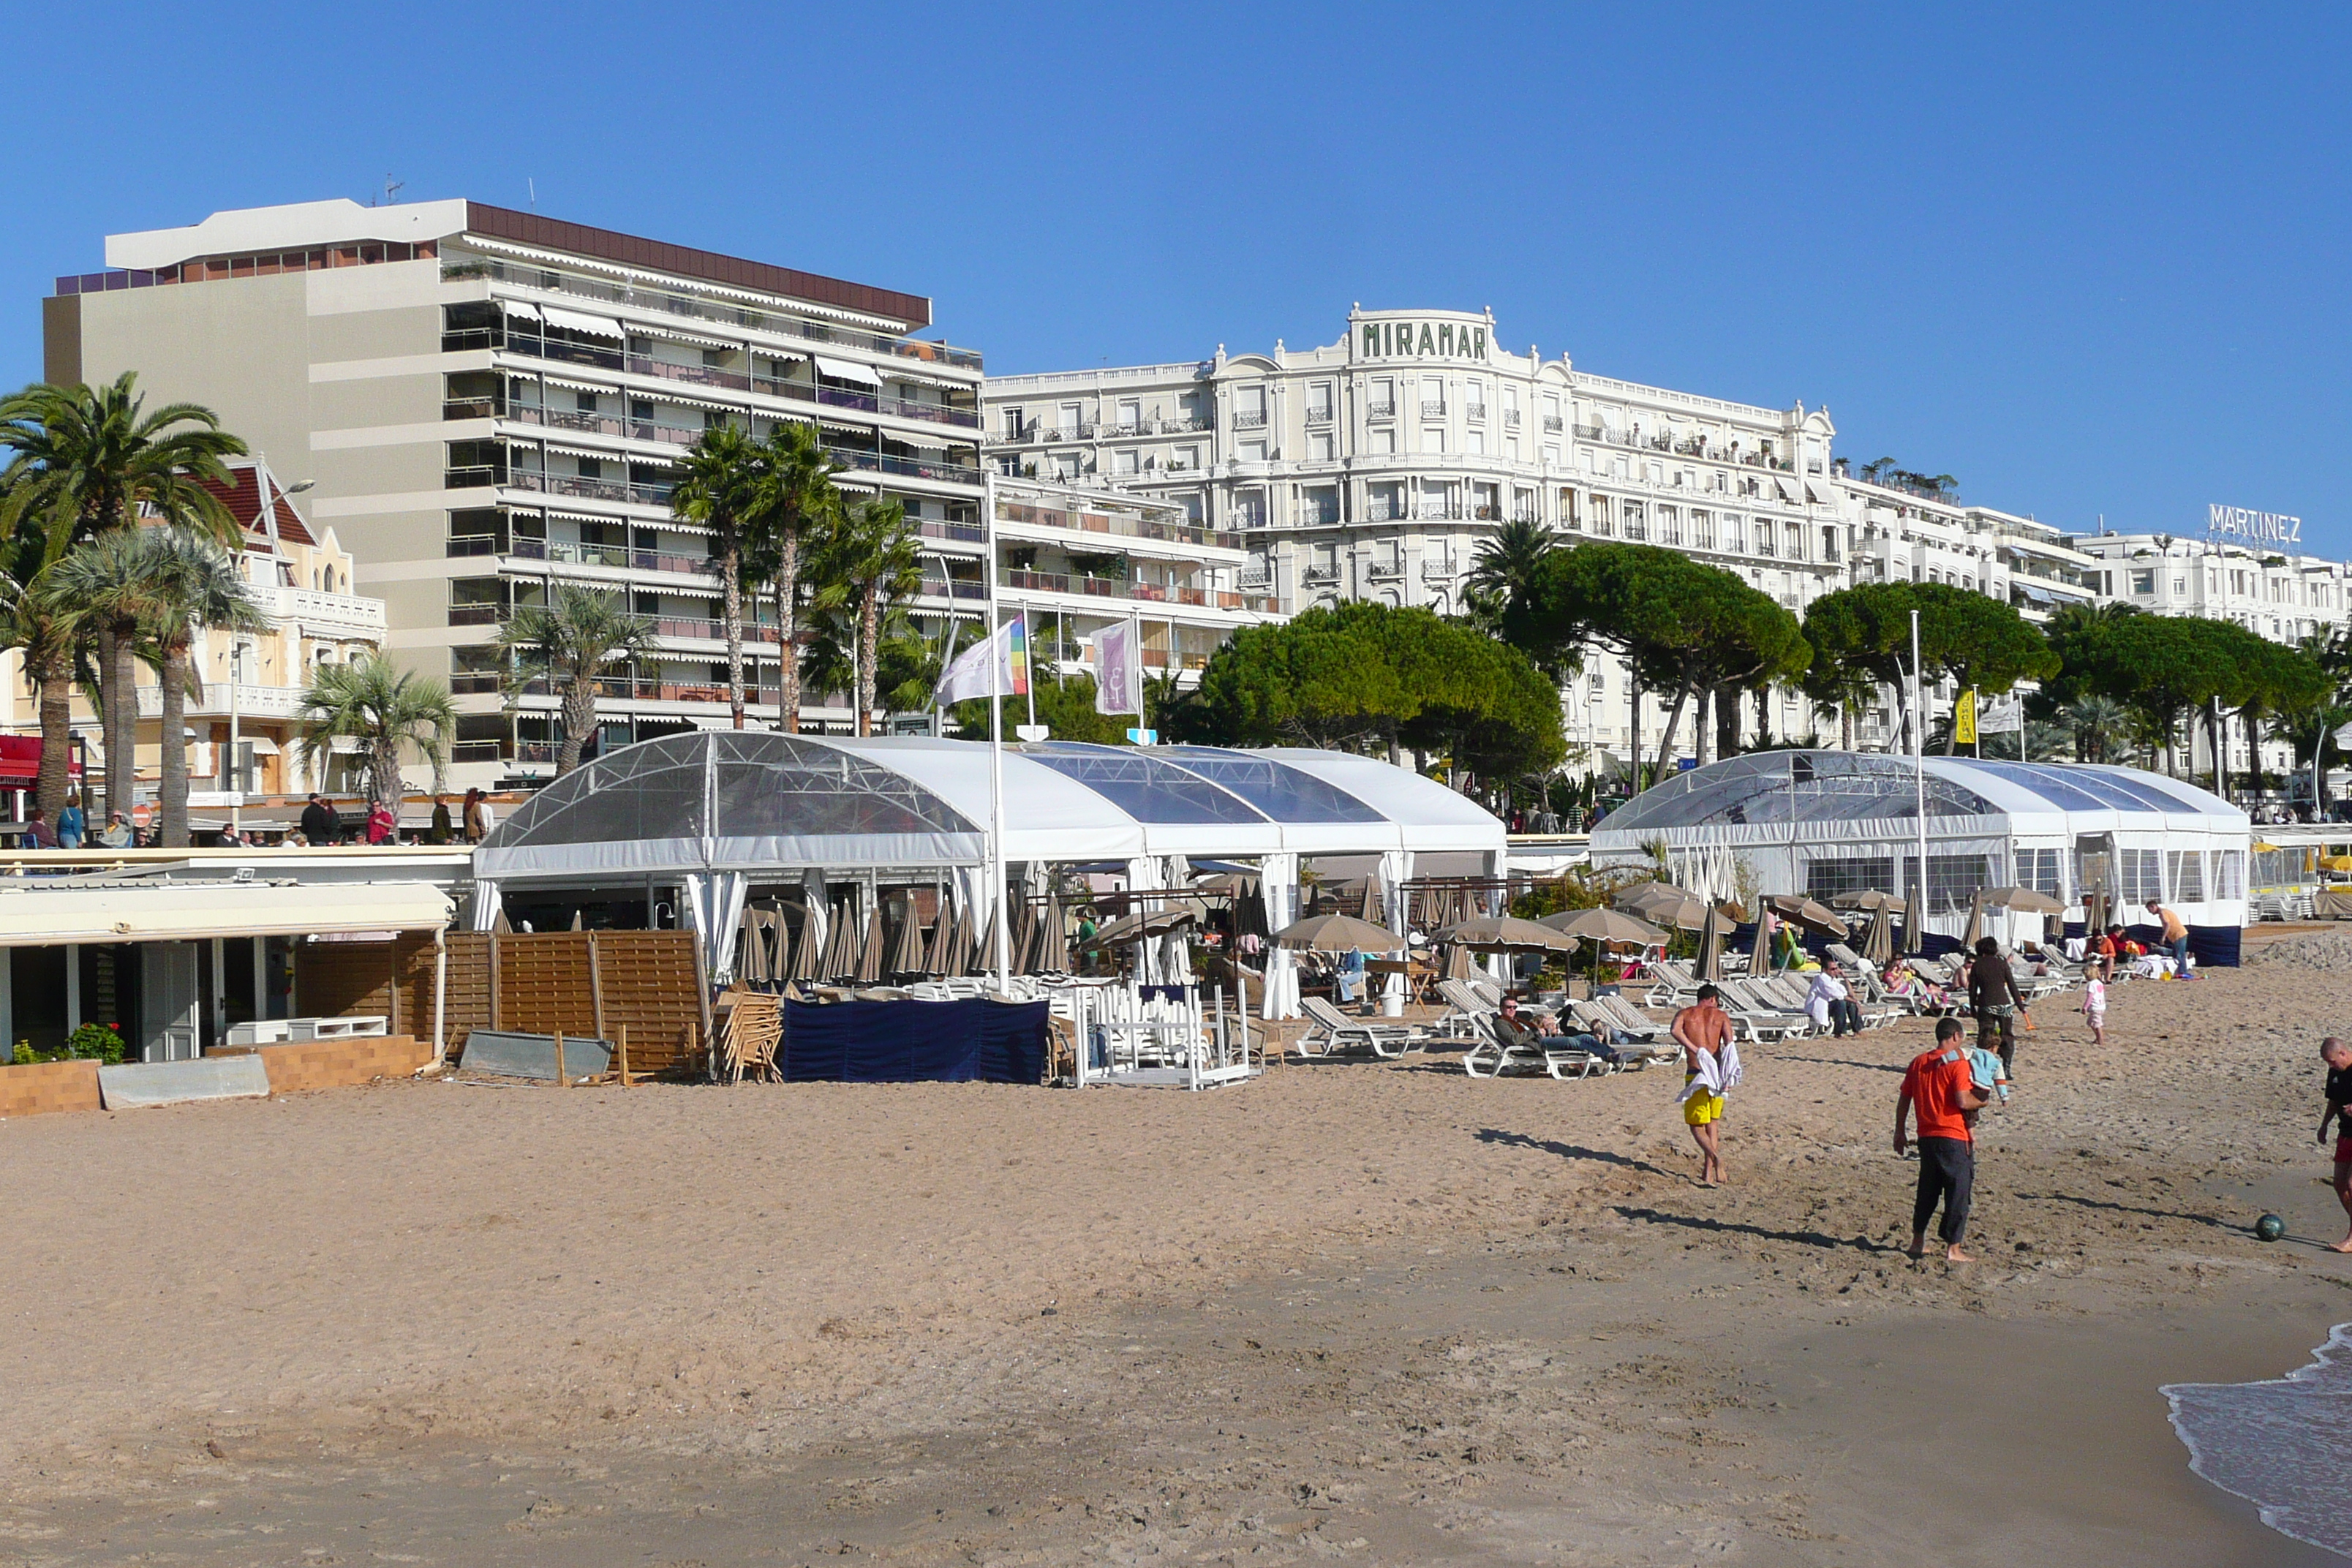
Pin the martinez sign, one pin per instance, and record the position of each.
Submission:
(1433, 340)
(2258, 527)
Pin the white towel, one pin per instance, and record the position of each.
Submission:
(1718, 1073)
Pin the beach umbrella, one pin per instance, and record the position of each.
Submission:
(1760, 957)
(1053, 939)
(1976, 921)
(955, 957)
(1868, 902)
(1507, 933)
(1878, 945)
(1023, 936)
(907, 953)
(2031, 901)
(841, 960)
(1457, 962)
(1674, 906)
(983, 956)
(870, 953)
(1337, 933)
(811, 943)
(1604, 926)
(1911, 924)
(1817, 917)
(935, 949)
(1139, 927)
(755, 969)
(1710, 946)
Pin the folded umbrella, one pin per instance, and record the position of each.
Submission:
(1878, 944)
(869, 952)
(907, 951)
(1975, 922)
(1710, 946)
(1053, 939)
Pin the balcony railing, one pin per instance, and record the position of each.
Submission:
(1119, 524)
(1381, 410)
(1319, 576)
(871, 403)
(477, 614)
(621, 557)
(689, 306)
(622, 490)
(1255, 577)
(1433, 408)
(1319, 416)
(713, 630)
(1384, 570)
(347, 613)
(1249, 421)
(1120, 588)
(1510, 418)
(1553, 423)
(1438, 571)
(1469, 410)
(1586, 432)
(937, 468)
(955, 588)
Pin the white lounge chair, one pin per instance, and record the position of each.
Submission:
(1463, 1008)
(1491, 1058)
(1337, 1032)
(1763, 1019)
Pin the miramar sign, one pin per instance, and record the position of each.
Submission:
(1421, 339)
(2253, 527)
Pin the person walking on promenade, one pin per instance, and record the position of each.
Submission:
(71, 824)
(1710, 1067)
(1939, 1090)
(319, 825)
(1994, 998)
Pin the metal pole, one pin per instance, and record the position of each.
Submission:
(1919, 764)
(995, 758)
(235, 772)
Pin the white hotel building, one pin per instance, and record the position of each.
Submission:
(1372, 466)
(489, 402)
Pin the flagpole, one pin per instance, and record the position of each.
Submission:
(1919, 766)
(995, 756)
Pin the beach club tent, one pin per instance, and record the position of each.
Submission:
(1824, 823)
(711, 813)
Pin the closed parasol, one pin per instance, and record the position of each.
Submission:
(1878, 942)
(1975, 922)
(907, 951)
(870, 955)
(1710, 946)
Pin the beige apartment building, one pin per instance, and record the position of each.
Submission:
(489, 402)
(242, 725)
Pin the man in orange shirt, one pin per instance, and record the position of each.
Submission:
(1940, 1090)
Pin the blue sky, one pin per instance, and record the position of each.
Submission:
(2088, 260)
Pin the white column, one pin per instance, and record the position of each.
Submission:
(1279, 881)
(73, 992)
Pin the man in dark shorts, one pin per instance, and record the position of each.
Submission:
(2338, 1058)
(1940, 1091)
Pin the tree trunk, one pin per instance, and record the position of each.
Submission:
(113, 672)
(869, 656)
(1763, 716)
(1703, 727)
(1633, 731)
(1845, 725)
(383, 783)
(57, 742)
(579, 722)
(2253, 756)
(1726, 720)
(788, 629)
(1674, 726)
(730, 609)
(1951, 735)
(172, 793)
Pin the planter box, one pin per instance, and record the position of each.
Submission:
(40, 1087)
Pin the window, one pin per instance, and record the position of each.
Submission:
(1702, 531)
(2039, 869)
(2143, 583)
(1511, 449)
(1318, 446)
(1318, 402)
(1570, 516)
(1127, 462)
(1764, 536)
(2188, 876)
(2139, 875)
(1014, 423)
(1734, 533)
(1131, 413)
(1433, 438)
(1474, 399)
(1252, 452)
(1383, 397)
(2229, 873)
(1432, 398)
(1249, 407)
(1601, 523)
(1670, 525)
(1954, 882)
(1384, 442)
(1636, 525)
(1474, 443)
(1070, 420)
(1828, 877)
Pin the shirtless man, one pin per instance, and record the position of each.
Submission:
(1703, 1027)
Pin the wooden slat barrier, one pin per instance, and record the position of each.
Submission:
(545, 983)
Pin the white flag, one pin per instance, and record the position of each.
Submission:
(2009, 714)
(998, 667)
(1118, 669)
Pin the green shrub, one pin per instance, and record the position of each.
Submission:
(23, 1057)
(96, 1042)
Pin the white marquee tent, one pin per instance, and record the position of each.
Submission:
(1824, 823)
(711, 811)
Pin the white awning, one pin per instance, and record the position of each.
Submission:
(847, 370)
(570, 385)
(521, 310)
(676, 335)
(48, 912)
(580, 321)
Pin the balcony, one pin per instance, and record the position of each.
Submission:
(1113, 523)
(1475, 411)
(620, 557)
(1315, 516)
(1510, 418)
(1433, 408)
(954, 587)
(870, 403)
(1383, 571)
(1258, 578)
(1553, 423)
(1319, 416)
(689, 306)
(252, 701)
(1249, 421)
(1583, 432)
(477, 614)
(1381, 410)
(939, 468)
(1319, 576)
(1120, 588)
(710, 630)
(321, 614)
(620, 490)
(1438, 571)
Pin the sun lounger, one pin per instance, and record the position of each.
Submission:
(1491, 1058)
(1624, 1018)
(1334, 1031)
(1763, 1020)
(1674, 984)
(1635, 1050)
(1463, 1008)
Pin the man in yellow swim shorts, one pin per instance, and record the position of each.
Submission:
(1703, 1029)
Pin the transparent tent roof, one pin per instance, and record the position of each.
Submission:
(759, 800)
(1816, 786)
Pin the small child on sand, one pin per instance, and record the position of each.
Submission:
(1987, 1076)
(2095, 1006)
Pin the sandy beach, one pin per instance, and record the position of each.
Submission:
(1384, 1313)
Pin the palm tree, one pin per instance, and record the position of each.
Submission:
(725, 476)
(796, 496)
(569, 644)
(1508, 565)
(46, 631)
(867, 558)
(382, 708)
(179, 583)
(95, 456)
(2099, 727)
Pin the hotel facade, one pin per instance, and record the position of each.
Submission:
(491, 403)
(1373, 467)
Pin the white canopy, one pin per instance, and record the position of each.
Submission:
(580, 321)
(753, 801)
(49, 912)
(847, 370)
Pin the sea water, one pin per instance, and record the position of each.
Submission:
(2280, 1443)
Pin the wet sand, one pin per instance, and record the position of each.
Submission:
(1387, 1314)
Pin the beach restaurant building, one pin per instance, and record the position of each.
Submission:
(713, 818)
(1824, 823)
